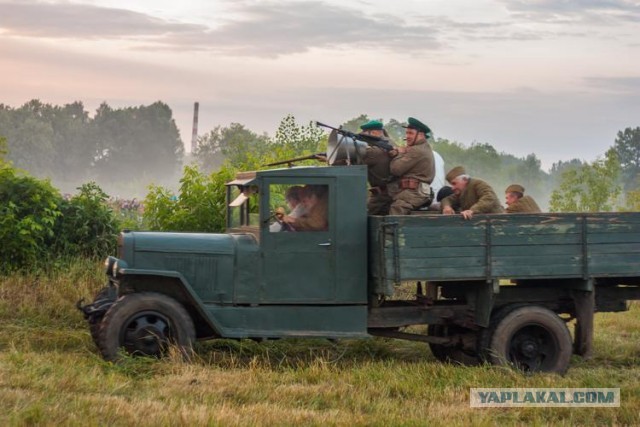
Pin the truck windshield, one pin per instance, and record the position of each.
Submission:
(243, 208)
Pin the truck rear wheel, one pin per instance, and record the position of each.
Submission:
(530, 338)
(145, 324)
(452, 354)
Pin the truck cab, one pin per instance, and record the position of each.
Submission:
(255, 281)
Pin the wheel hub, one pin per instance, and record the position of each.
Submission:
(146, 333)
(529, 348)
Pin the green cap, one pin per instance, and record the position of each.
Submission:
(417, 125)
(372, 125)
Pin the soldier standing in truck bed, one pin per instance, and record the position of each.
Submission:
(470, 195)
(414, 167)
(378, 172)
(517, 202)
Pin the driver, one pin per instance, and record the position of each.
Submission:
(315, 199)
(293, 197)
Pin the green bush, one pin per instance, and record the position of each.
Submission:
(37, 226)
(29, 209)
(200, 205)
(87, 226)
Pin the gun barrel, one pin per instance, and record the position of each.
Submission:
(316, 156)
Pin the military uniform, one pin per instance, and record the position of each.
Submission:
(415, 170)
(525, 204)
(378, 175)
(477, 197)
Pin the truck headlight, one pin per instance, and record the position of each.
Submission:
(117, 266)
(108, 265)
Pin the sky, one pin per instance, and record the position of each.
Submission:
(558, 78)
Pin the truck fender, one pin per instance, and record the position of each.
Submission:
(174, 285)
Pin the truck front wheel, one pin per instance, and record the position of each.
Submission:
(530, 338)
(146, 324)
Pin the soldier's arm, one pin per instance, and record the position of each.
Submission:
(452, 201)
(403, 163)
(373, 155)
(487, 199)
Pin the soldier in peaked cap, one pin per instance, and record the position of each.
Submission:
(414, 168)
(469, 196)
(517, 202)
(378, 172)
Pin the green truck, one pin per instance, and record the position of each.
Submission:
(498, 288)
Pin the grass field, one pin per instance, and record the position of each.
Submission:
(51, 374)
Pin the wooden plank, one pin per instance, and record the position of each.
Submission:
(527, 271)
(535, 229)
(426, 262)
(537, 260)
(594, 238)
(614, 248)
(447, 236)
(445, 273)
(442, 252)
(613, 218)
(614, 264)
(526, 250)
(549, 239)
(613, 228)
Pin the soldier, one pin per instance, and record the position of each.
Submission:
(517, 202)
(378, 173)
(414, 167)
(316, 203)
(469, 195)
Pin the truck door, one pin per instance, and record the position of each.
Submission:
(298, 259)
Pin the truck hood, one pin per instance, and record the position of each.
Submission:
(193, 243)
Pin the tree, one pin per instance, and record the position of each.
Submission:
(354, 124)
(234, 144)
(299, 138)
(590, 188)
(627, 148)
(396, 131)
(136, 141)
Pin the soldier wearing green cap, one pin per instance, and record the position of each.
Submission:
(378, 172)
(470, 196)
(517, 202)
(414, 168)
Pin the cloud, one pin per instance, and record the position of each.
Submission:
(81, 21)
(630, 85)
(567, 11)
(261, 29)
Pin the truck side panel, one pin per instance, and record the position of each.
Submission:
(493, 247)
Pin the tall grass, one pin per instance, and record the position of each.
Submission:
(51, 373)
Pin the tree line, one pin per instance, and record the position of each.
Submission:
(120, 147)
(67, 145)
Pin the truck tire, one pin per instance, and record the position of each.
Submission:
(455, 355)
(145, 324)
(530, 338)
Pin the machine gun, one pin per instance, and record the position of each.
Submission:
(317, 156)
(348, 148)
(369, 139)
